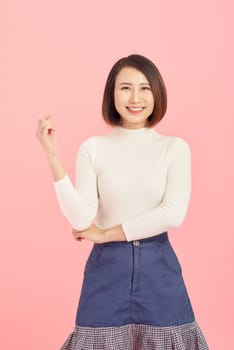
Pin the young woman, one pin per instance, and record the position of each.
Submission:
(133, 184)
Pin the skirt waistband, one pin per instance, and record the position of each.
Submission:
(159, 237)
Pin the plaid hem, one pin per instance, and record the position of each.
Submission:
(137, 337)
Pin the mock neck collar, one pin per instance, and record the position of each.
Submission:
(135, 133)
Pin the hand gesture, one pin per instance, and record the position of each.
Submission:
(46, 136)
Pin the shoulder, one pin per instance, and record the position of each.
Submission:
(88, 147)
(88, 142)
(177, 148)
(176, 142)
(180, 150)
(93, 142)
(181, 145)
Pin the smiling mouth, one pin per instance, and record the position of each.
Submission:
(135, 109)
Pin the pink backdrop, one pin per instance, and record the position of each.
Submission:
(55, 57)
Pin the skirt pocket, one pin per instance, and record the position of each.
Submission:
(93, 257)
(169, 257)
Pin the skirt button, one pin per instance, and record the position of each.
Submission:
(136, 243)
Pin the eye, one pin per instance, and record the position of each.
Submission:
(124, 87)
(146, 88)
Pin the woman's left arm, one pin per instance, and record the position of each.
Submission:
(93, 233)
(171, 212)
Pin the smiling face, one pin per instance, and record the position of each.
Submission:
(133, 97)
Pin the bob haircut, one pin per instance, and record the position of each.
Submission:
(148, 68)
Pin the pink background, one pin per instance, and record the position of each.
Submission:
(55, 57)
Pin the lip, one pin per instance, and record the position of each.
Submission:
(135, 111)
(135, 107)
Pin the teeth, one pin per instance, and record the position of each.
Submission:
(135, 108)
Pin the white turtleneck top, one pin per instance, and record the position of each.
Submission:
(134, 177)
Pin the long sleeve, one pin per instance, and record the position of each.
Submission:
(172, 210)
(79, 204)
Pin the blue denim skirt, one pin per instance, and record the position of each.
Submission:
(137, 282)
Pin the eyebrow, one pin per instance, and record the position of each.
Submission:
(131, 84)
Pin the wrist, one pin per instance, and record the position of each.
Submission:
(52, 157)
(55, 164)
(114, 233)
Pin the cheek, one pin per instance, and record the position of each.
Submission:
(151, 101)
(120, 99)
(116, 99)
(117, 102)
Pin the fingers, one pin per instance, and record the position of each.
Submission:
(46, 118)
(79, 239)
(77, 235)
(44, 126)
(44, 122)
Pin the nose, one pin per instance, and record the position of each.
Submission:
(135, 96)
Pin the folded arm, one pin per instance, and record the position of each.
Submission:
(172, 210)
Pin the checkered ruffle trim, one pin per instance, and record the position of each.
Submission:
(137, 337)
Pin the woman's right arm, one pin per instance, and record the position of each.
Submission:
(78, 203)
(57, 170)
(48, 140)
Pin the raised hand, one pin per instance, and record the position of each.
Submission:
(47, 137)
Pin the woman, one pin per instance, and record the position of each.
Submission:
(135, 184)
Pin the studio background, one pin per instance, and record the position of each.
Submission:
(55, 57)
